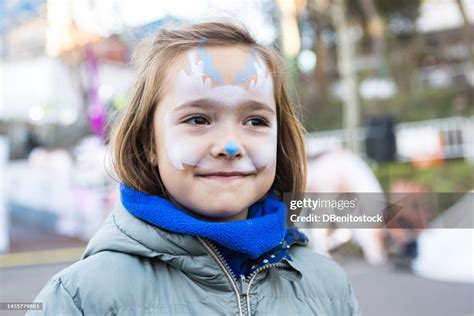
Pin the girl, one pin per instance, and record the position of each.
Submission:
(204, 150)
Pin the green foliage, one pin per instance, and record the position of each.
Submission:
(408, 9)
(404, 8)
(423, 105)
(455, 177)
(322, 117)
(450, 176)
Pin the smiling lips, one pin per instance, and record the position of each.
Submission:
(225, 175)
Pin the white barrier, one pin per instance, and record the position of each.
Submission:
(4, 218)
(454, 136)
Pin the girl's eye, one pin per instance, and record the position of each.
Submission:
(257, 121)
(197, 120)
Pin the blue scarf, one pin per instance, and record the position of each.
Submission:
(264, 229)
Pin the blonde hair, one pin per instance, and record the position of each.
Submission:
(132, 142)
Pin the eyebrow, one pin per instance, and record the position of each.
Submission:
(207, 104)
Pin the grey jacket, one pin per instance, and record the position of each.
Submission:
(132, 268)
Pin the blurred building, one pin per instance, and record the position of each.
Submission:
(48, 78)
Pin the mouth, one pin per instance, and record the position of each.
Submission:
(225, 176)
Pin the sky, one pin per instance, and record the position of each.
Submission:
(108, 16)
(442, 14)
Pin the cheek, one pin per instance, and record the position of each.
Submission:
(263, 153)
(263, 150)
(168, 172)
(172, 178)
(181, 148)
(268, 176)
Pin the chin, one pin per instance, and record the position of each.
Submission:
(224, 211)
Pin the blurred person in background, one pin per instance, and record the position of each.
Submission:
(342, 171)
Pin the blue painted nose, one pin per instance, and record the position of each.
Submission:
(231, 147)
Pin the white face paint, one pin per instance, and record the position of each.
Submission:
(228, 104)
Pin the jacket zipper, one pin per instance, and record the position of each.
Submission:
(215, 253)
(252, 276)
(241, 286)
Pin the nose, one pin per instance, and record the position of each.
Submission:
(229, 149)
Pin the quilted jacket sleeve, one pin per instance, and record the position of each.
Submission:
(56, 300)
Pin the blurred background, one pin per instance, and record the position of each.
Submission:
(387, 83)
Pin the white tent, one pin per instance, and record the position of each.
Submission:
(447, 253)
(30, 85)
(46, 89)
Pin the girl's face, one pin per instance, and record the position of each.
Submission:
(216, 131)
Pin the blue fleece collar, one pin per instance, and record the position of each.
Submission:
(261, 232)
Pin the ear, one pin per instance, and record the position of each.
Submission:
(152, 156)
(153, 159)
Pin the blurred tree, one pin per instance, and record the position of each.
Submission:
(389, 30)
(375, 29)
(468, 40)
(290, 41)
(320, 21)
(467, 32)
(406, 10)
(347, 72)
(388, 35)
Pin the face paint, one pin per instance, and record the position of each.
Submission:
(250, 69)
(207, 66)
(227, 90)
(231, 147)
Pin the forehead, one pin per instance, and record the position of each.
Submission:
(215, 69)
(222, 63)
